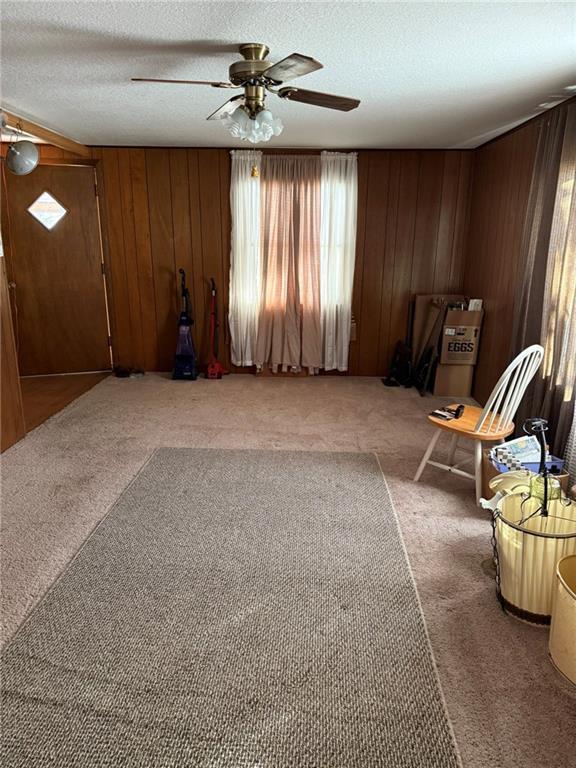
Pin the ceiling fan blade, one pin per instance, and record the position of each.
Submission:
(183, 82)
(328, 100)
(226, 109)
(291, 67)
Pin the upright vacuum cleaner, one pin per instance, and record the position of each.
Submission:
(185, 360)
(215, 369)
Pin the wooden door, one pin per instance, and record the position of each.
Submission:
(56, 273)
(12, 426)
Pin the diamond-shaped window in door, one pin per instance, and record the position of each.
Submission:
(47, 210)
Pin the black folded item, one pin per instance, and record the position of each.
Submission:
(440, 413)
(400, 368)
(447, 413)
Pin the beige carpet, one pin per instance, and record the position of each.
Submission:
(509, 707)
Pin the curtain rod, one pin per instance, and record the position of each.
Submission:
(279, 153)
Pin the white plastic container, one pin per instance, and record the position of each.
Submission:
(562, 642)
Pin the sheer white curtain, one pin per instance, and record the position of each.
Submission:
(245, 261)
(338, 213)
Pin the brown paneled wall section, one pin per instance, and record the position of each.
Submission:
(169, 208)
(163, 209)
(499, 199)
(412, 216)
(12, 425)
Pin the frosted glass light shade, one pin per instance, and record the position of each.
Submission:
(257, 129)
(238, 123)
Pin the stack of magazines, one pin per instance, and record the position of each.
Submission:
(523, 453)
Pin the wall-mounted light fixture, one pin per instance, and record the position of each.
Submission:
(22, 155)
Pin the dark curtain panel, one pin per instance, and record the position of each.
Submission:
(546, 289)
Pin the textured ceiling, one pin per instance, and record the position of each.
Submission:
(428, 74)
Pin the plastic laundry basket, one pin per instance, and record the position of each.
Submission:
(562, 642)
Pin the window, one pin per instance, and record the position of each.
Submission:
(47, 210)
(292, 259)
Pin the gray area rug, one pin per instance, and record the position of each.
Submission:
(235, 609)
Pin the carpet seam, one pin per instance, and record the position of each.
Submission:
(70, 562)
(424, 622)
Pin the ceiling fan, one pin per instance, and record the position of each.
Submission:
(246, 114)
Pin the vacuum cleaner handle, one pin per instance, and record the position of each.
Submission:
(185, 296)
(213, 320)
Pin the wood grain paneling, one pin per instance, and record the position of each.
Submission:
(215, 242)
(124, 346)
(164, 211)
(411, 224)
(144, 264)
(12, 426)
(500, 190)
(169, 208)
(162, 240)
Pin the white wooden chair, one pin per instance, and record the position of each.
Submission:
(491, 424)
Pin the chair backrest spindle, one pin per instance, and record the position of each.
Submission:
(507, 395)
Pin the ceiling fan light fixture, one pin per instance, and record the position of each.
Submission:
(262, 127)
(238, 123)
(269, 124)
(255, 75)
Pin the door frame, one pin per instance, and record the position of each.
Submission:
(102, 226)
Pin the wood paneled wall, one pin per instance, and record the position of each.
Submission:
(412, 216)
(494, 258)
(12, 425)
(168, 208)
(11, 412)
(163, 209)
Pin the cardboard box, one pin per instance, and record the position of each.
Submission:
(461, 337)
(453, 380)
(489, 471)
